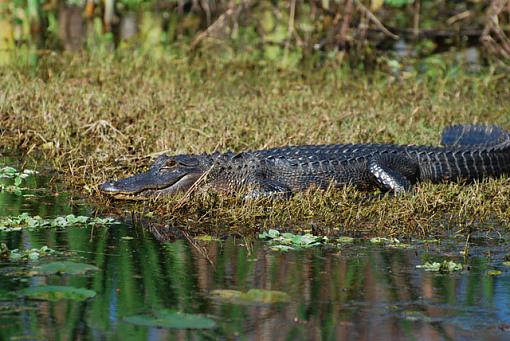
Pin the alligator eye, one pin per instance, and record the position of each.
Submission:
(169, 164)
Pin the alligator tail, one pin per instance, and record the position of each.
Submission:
(474, 135)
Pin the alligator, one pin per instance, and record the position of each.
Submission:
(468, 153)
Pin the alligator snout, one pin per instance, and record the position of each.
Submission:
(108, 186)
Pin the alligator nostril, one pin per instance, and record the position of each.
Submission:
(108, 186)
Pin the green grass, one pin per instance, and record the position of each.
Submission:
(101, 118)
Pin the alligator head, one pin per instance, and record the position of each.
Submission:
(168, 175)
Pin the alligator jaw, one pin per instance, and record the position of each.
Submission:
(145, 185)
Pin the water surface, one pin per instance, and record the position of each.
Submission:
(358, 291)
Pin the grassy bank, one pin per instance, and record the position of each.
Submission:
(101, 118)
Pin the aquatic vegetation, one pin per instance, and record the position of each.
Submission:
(12, 173)
(445, 266)
(344, 239)
(64, 267)
(57, 293)
(206, 238)
(172, 319)
(26, 221)
(27, 254)
(289, 241)
(381, 240)
(252, 296)
(414, 315)
(494, 272)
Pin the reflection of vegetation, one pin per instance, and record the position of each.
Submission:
(56, 293)
(172, 319)
(64, 267)
(252, 296)
(140, 275)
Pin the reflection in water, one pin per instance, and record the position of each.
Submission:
(361, 292)
(358, 291)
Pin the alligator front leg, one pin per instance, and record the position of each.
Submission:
(266, 188)
(394, 173)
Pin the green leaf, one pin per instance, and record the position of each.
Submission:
(17, 181)
(272, 52)
(494, 272)
(279, 35)
(398, 3)
(56, 293)
(445, 266)
(65, 267)
(271, 234)
(172, 319)
(267, 21)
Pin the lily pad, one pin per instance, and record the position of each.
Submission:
(494, 272)
(252, 296)
(445, 266)
(69, 268)
(271, 234)
(289, 241)
(55, 293)
(25, 255)
(414, 315)
(172, 319)
(24, 220)
(384, 240)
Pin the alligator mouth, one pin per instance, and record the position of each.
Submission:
(143, 186)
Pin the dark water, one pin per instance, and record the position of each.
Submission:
(357, 291)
